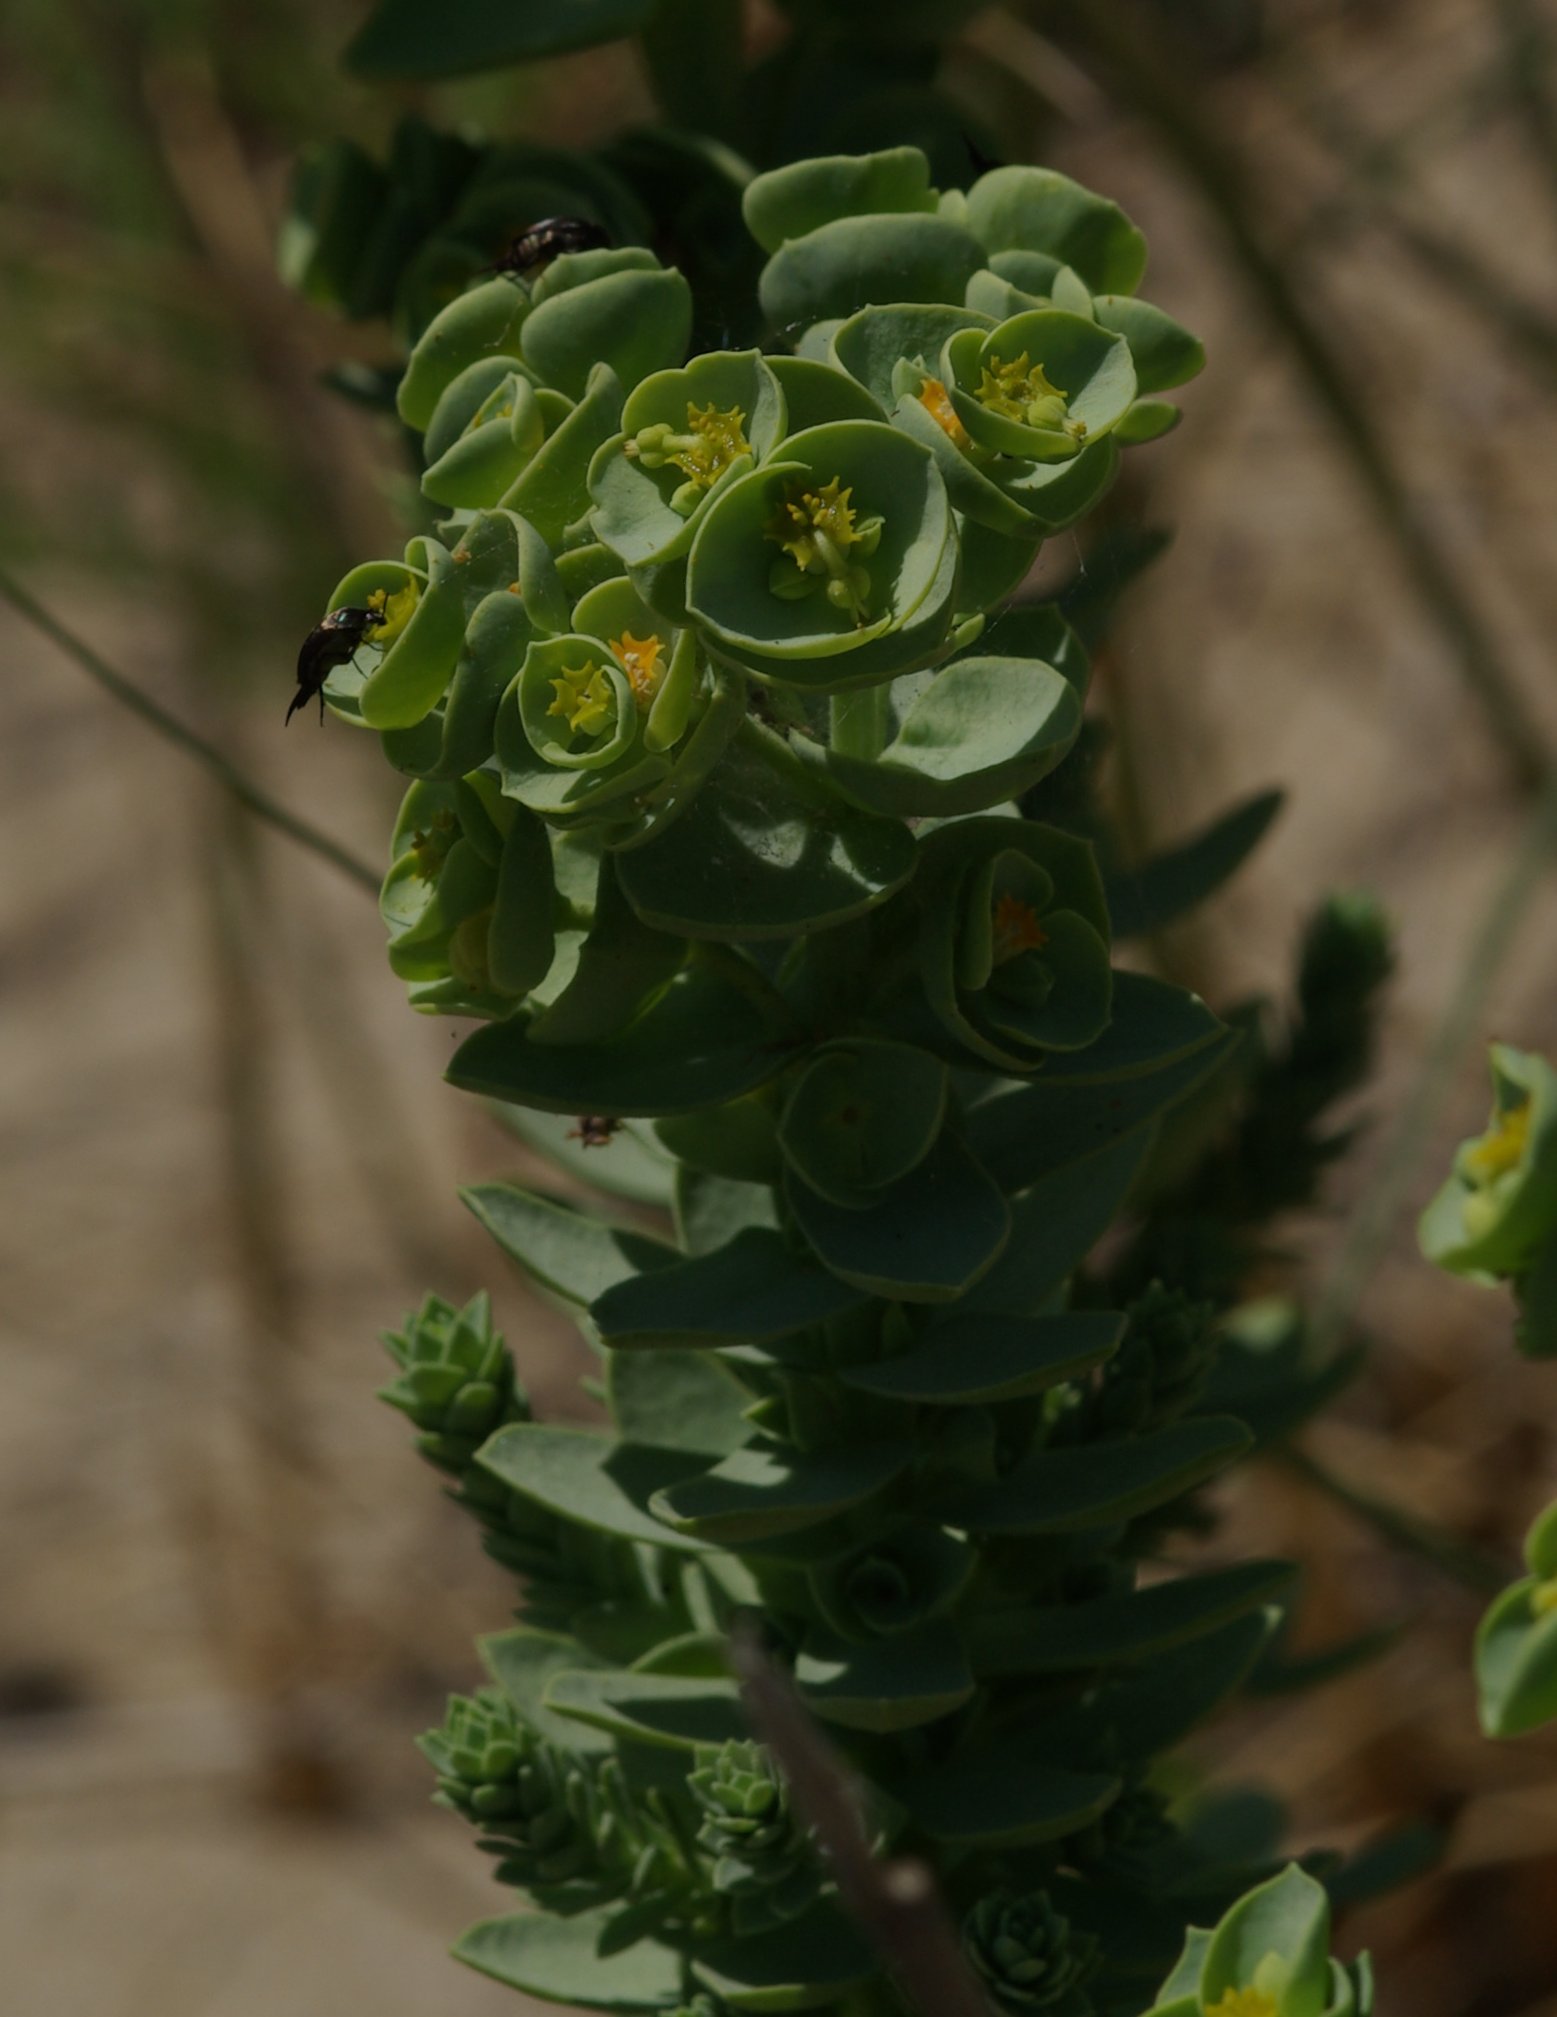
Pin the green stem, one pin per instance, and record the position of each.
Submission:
(1373, 1225)
(859, 722)
(181, 736)
(1146, 82)
(1458, 1559)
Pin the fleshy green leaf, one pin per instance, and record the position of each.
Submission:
(637, 322)
(1152, 1024)
(973, 1360)
(765, 852)
(1056, 1223)
(403, 39)
(590, 1478)
(1289, 1917)
(989, 1802)
(1058, 1491)
(842, 265)
(1516, 1662)
(861, 1116)
(1023, 1133)
(925, 1239)
(756, 1494)
(557, 1245)
(1143, 900)
(573, 1961)
(678, 1400)
(1037, 210)
(523, 1662)
(896, 1683)
(790, 201)
(754, 1288)
(631, 1165)
(805, 1964)
(1132, 1626)
(705, 1038)
(665, 1709)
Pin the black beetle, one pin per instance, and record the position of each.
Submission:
(540, 243)
(329, 644)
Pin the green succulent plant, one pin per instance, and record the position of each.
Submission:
(1027, 1955)
(728, 738)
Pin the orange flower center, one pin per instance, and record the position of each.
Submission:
(1017, 929)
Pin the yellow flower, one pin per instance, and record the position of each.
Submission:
(1022, 391)
(639, 658)
(394, 611)
(431, 845)
(806, 523)
(1502, 1147)
(1243, 2003)
(712, 441)
(936, 401)
(1017, 929)
(583, 698)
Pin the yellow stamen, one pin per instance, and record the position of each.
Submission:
(804, 519)
(718, 441)
(1502, 1147)
(1243, 2003)
(583, 698)
(639, 658)
(1022, 391)
(712, 441)
(395, 611)
(431, 846)
(1017, 929)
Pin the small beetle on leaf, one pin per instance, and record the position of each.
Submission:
(329, 644)
(540, 243)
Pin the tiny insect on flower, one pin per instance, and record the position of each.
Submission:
(330, 643)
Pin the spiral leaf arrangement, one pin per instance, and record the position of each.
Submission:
(728, 751)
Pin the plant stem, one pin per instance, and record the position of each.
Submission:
(859, 722)
(1147, 83)
(1458, 1559)
(895, 1904)
(189, 740)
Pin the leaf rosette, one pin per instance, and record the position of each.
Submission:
(468, 899)
(1268, 1957)
(616, 719)
(1013, 944)
(686, 436)
(1039, 387)
(899, 354)
(834, 565)
(1498, 1208)
(1516, 1642)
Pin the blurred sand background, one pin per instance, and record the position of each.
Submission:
(230, 1595)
